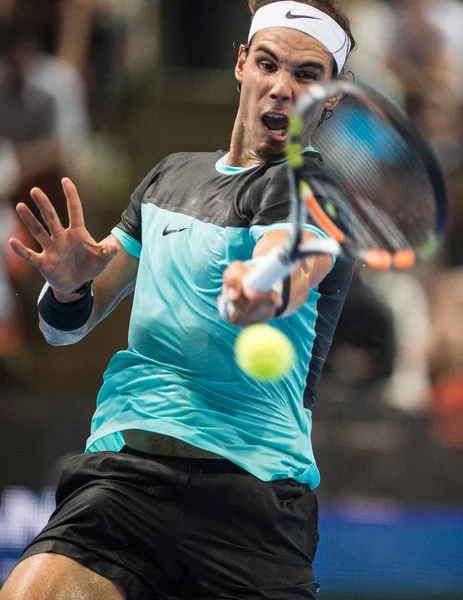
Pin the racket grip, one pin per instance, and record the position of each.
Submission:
(270, 270)
(267, 276)
(277, 265)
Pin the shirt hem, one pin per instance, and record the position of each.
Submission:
(309, 476)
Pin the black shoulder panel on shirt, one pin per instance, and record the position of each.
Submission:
(189, 183)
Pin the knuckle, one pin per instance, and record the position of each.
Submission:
(236, 267)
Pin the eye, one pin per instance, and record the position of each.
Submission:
(306, 75)
(267, 66)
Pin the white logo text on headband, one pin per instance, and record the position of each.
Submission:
(309, 20)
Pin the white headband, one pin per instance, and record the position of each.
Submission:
(309, 20)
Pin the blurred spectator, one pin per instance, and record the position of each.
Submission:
(363, 350)
(446, 356)
(12, 334)
(414, 52)
(408, 389)
(28, 149)
(417, 51)
(143, 38)
(43, 135)
(62, 26)
(28, 119)
(380, 349)
(107, 52)
(425, 55)
(453, 256)
(86, 35)
(411, 50)
(56, 75)
(373, 23)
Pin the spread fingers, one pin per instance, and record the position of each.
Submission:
(22, 251)
(33, 225)
(47, 210)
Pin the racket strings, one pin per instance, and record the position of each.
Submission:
(386, 229)
(363, 222)
(390, 200)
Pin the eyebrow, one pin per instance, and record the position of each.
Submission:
(311, 63)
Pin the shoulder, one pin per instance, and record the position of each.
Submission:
(274, 176)
(192, 158)
(186, 160)
(313, 166)
(191, 162)
(176, 171)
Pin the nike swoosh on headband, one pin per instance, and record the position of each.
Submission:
(307, 19)
(289, 15)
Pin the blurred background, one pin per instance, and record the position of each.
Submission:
(101, 90)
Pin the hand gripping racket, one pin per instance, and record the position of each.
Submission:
(390, 210)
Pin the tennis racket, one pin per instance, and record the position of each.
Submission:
(390, 209)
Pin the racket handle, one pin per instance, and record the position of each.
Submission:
(270, 270)
(274, 267)
(277, 265)
(267, 276)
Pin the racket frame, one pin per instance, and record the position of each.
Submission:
(374, 257)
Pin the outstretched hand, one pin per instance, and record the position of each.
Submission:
(69, 257)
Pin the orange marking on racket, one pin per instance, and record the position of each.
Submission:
(320, 215)
(378, 259)
(405, 259)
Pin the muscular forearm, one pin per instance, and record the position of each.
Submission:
(296, 288)
(306, 275)
(250, 306)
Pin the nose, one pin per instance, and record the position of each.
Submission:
(281, 89)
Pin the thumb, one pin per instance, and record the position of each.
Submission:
(110, 247)
(233, 280)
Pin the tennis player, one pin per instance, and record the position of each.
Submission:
(197, 481)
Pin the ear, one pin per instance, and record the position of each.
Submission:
(241, 61)
(333, 101)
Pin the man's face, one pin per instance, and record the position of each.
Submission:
(280, 66)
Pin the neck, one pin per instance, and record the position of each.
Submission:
(240, 155)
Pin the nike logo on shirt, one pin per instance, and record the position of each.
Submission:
(169, 231)
(289, 15)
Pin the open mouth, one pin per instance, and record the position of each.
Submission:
(276, 124)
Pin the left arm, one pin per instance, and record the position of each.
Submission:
(257, 307)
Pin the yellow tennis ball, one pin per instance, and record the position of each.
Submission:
(264, 353)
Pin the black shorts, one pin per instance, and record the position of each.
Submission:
(184, 528)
